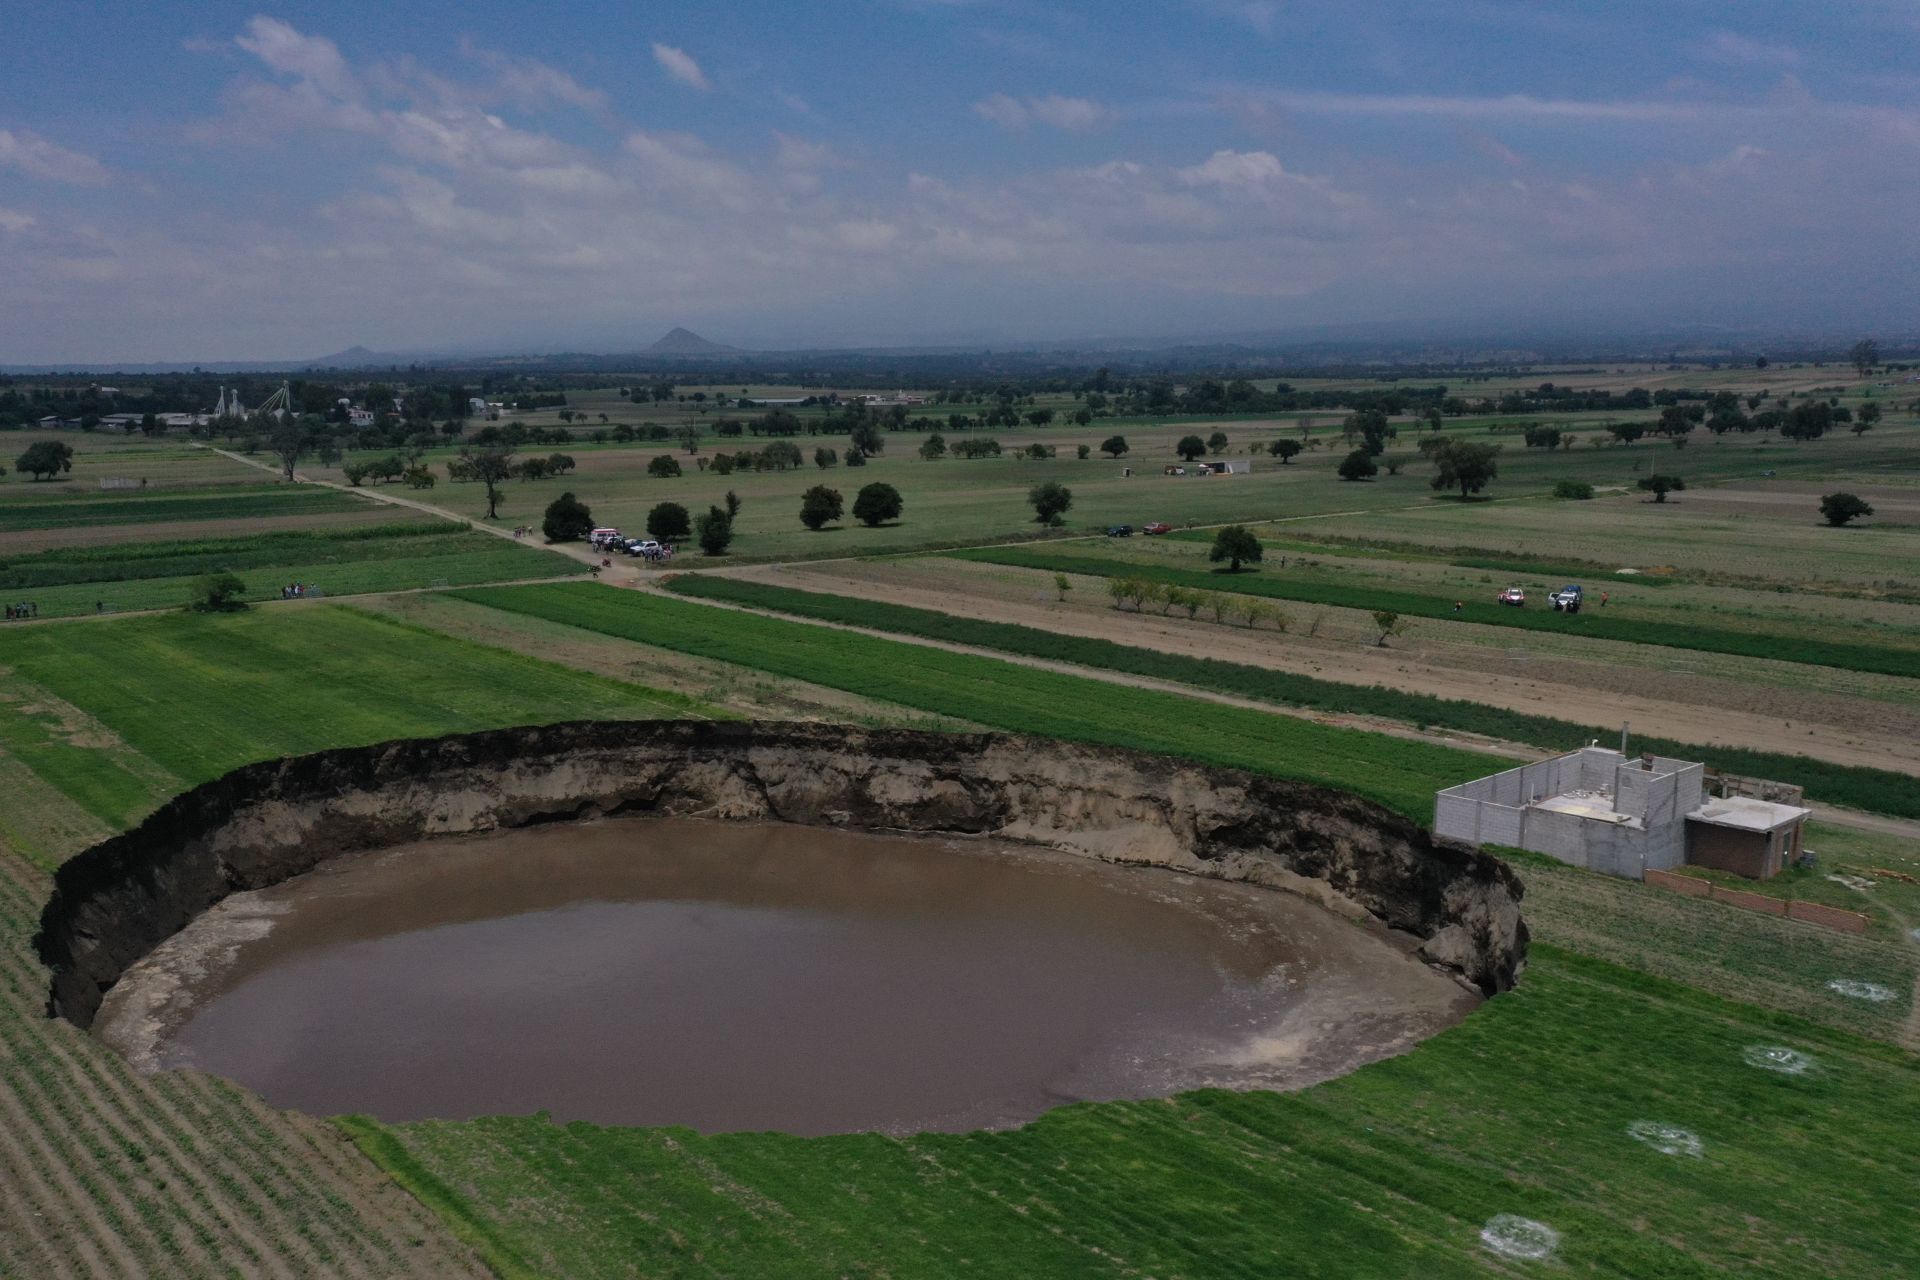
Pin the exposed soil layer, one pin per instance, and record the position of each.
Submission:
(265, 823)
(751, 975)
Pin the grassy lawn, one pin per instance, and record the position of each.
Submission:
(1391, 1172)
(119, 715)
(987, 691)
(1876, 789)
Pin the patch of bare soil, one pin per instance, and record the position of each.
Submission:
(104, 1173)
(1708, 710)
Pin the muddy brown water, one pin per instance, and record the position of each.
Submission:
(729, 976)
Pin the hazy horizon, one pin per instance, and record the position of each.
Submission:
(278, 186)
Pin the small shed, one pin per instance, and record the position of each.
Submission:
(1754, 838)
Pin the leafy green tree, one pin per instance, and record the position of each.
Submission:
(1114, 446)
(664, 467)
(865, 439)
(1865, 354)
(1626, 432)
(824, 458)
(732, 501)
(715, 531)
(216, 593)
(491, 467)
(876, 504)
(1358, 465)
(1389, 624)
(933, 448)
(1285, 450)
(1061, 585)
(1237, 545)
(1864, 420)
(819, 507)
(1050, 501)
(1808, 421)
(567, 519)
(1838, 508)
(1578, 490)
(1660, 486)
(668, 522)
(1217, 442)
(855, 458)
(1464, 465)
(1190, 447)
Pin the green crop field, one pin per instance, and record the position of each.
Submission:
(117, 716)
(1877, 789)
(346, 561)
(1899, 658)
(1003, 695)
(64, 508)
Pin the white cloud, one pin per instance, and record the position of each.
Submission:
(15, 221)
(1059, 112)
(680, 65)
(1234, 169)
(1743, 51)
(531, 82)
(37, 158)
(291, 52)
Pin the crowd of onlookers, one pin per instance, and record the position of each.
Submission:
(16, 612)
(294, 591)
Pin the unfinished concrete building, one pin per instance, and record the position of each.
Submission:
(1605, 811)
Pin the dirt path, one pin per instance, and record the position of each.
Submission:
(104, 1172)
(986, 595)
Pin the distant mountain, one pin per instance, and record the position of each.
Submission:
(355, 357)
(685, 342)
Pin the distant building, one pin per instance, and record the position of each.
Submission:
(1598, 809)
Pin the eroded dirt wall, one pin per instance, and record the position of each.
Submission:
(267, 822)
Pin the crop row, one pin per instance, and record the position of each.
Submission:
(1590, 623)
(1009, 696)
(1876, 789)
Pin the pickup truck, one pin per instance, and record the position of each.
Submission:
(1514, 596)
(1158, 526)
(1566, 599)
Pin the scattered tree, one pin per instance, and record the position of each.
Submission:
(733, 504)
(1285, 450)
(45, 458)
(824, 458)
(1864, 420)
(1190, 447)
(715, 530)
(1114, 446)
(567, 519)
(819, 507)
(933, 448)
(1865, 354)
(217, 593)
(664, 467)
(1464, 465)
(668, 522)
(876, 504)
(1235, 544)
(1660, 486)
(865, 439)
(1050, 501)
(1839, 508)
(1358, 465)
(1388, 624)
(1061, 585)
(1578, 490)
(491, 466)
(1217, 442)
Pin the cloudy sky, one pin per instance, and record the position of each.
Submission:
(217, 181)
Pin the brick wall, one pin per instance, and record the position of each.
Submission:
(1814, 913)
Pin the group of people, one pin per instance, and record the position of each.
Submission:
(294, 591)
(16, 612)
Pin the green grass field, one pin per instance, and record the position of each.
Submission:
(1876, 789)
(1525, 1109)
(117, 716)
(987, 691)
(62, 507)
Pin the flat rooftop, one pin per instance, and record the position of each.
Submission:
(1744, 814)
(1598, 808)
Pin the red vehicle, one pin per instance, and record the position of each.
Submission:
(1513, 596)
(1158, 526)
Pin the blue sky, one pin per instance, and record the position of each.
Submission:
(216, 181)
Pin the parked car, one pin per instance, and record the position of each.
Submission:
(1513, 596)
(1158, 526)
(1119, 531)
(1566, 599)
